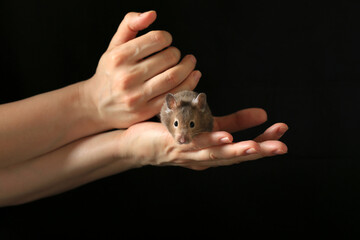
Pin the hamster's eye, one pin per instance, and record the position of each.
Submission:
(176, 123)
(192, 124)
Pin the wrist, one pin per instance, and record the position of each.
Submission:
(127, 152)
(89, 108)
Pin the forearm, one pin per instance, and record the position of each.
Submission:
(40, 124)
(68, 167)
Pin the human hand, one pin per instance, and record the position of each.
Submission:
(150, 143)
(134, 74)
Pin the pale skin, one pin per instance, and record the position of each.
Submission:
(55, 141)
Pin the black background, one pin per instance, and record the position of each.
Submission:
(298, 60)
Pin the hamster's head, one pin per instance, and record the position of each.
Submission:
(186, 117)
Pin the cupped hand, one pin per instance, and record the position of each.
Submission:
(135, 74)
(150, 143)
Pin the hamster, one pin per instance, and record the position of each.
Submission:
(186, 114)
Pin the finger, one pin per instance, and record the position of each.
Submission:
(208, 139)
(240, 120)
(170, 79)
(132, 23)
(274, 132)
(189, 84)
(159, 62)
(273, 147)
(202, 165)
(143, 46)
(267, 148)
(225, 151)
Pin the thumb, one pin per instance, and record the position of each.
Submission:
(131, 24)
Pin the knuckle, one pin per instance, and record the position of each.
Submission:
(129, 15)
(126, 81)
(171, 79)
(252, 143)
(118, 56)
(162, 37)
(131, 101)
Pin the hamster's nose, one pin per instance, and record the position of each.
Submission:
(182, 140)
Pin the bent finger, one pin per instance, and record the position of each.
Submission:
(275, 132)
(132, 23)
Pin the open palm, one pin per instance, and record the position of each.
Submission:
(154, 144)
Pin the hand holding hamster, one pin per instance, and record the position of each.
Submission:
(186, 114)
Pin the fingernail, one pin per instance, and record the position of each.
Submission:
(251, 151)
(225, 140)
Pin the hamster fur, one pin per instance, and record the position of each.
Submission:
(186, 114)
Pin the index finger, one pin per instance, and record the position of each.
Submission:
(129, 27)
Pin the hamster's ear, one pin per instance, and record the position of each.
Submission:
(200, 101)
(170, 101)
